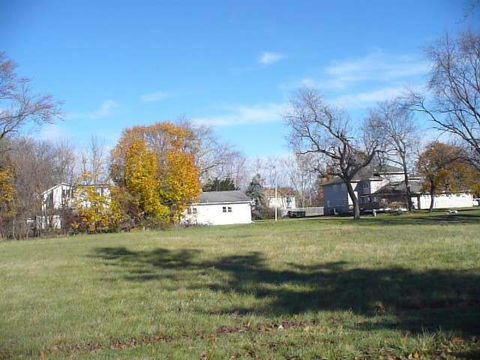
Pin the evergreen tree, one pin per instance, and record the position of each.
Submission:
(217, 184)
(255, 192)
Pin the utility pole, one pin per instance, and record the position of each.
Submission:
(276, 198)
(276, 202)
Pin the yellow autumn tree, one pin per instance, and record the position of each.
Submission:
(180, 183)
(142, 183)
(154, 166)
(93, 207)
(7, 199)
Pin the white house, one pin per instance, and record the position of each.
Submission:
(380, 188)
(284, 201)
(57, 200)
(220, 208)
(213, 208)
(57, 197)
(445, 201)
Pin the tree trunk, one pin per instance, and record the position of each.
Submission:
(408, 193)
(356, 207)
(406, 178)
(432, 196)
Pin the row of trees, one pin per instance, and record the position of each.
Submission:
(155, 171)
(336, 146)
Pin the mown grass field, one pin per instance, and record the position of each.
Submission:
(386, 287)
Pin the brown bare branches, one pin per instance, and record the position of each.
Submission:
(393, 124)
(455, 88)
(317, 128)
(18, 106)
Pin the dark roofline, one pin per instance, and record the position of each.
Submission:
(222, 202)
(222, 197)
(103, 185)
(340, 181)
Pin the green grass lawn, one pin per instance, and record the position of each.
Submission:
(387, 287)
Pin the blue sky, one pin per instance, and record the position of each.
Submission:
(230, 64)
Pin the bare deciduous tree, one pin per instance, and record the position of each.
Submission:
(18, 106)
(94, 161)
(235, 168)
(37, 167)
(293, 172)
(454, 83)
(393, 124)
(317, 128)
(216, 159)
(65, 162)
(301, 178)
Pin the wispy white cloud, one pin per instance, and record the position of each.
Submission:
(245, 114)
(154, 96)
(376, 66)
(105, 110)
(268, 58)
(361, 82)
(367, 98)
(309, 82)
(52, 132)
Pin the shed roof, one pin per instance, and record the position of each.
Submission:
(234, 196)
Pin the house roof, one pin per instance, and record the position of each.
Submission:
(356, 179)
(53, 187)
(102, 185)
(368, 173)
(215, 197)
(387, 169)
(399, 187)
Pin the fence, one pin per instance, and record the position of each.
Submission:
(305, 212)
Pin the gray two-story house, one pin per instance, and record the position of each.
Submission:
(382, 188)
(366, 185)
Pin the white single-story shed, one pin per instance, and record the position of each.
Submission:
(220, 208)
(444, 201)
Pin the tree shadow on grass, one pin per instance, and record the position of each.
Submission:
(439, 217)
(418, 301)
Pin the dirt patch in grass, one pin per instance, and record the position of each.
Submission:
(113, 345)
(92, 347)
(266, 327)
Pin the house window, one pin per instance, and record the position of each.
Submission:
(189, 211)
(65, 195)
(229, 209)
(50, 200)
(224, 209)
(194, 210)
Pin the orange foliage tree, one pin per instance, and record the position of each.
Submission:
(154, 168)
(444, 169)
